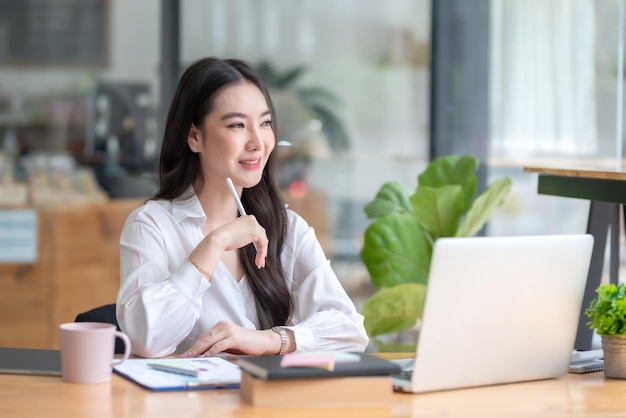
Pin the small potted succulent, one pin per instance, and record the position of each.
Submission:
(607, 315)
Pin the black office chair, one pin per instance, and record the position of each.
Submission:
(105, 313)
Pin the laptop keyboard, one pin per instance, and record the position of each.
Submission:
(404, 375)
(407, 369)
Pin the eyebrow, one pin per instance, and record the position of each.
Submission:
(231, 115)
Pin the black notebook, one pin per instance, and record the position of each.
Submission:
(268, 368)
(30, 361)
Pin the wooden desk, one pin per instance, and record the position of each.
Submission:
(587, 395)
(606, 191)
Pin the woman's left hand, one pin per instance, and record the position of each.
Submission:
(226, 337)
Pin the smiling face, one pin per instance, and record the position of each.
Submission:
(236, 138)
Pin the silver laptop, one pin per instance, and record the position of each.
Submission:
(499, 310)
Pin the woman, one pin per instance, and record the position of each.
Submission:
(197, 278)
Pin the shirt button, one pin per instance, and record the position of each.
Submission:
(237, 295)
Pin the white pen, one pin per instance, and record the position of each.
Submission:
(242, 211)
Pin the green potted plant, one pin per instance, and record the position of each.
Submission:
(398, 244)
(607, 314)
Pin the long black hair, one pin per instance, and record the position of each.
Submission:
(180, 168)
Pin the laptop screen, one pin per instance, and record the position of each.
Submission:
(500, 310)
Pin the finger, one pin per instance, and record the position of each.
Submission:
(260, 243)
(187, 354)
(219, 347)
(201, 346)
(261, 253)
(195, 351)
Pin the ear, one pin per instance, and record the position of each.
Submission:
(194, 138)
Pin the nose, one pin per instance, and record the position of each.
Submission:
(255, 140)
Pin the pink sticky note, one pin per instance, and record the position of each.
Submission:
(324, 361)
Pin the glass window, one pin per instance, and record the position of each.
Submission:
(356, 115)
(553, 93)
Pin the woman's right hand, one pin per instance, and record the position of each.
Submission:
(231, 236)
(243, 231)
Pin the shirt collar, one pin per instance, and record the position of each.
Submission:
(187, 205)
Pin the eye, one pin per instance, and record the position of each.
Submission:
(267, 123)
(236, 125)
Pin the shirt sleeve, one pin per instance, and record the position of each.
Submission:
(156, 307)
(324, 317)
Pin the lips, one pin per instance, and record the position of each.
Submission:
(250, 162)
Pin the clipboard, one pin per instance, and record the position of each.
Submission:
(210, 373)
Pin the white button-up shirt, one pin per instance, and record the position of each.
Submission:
(164, 303)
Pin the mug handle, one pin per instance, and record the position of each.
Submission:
(126, 340)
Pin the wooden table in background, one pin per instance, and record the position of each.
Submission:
(78, 268)
(606, 191)
(588, 395)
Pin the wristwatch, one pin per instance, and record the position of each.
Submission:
(283, 339)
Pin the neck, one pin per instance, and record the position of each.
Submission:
(218, 206)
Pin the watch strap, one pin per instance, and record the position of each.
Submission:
(283, 338)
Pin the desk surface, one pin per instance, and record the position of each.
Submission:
(587, 395)
(579, 172)
(597, 185)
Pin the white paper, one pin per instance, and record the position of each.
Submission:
(213, 372)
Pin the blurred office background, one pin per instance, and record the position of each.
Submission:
(378, 88)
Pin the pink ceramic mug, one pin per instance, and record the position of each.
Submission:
(87, 351)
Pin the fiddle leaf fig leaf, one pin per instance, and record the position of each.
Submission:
(398, 244)
(439, 209)
(449, 170)
(394, 308)
(483, 207)
(396, 250)
(392, 197)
